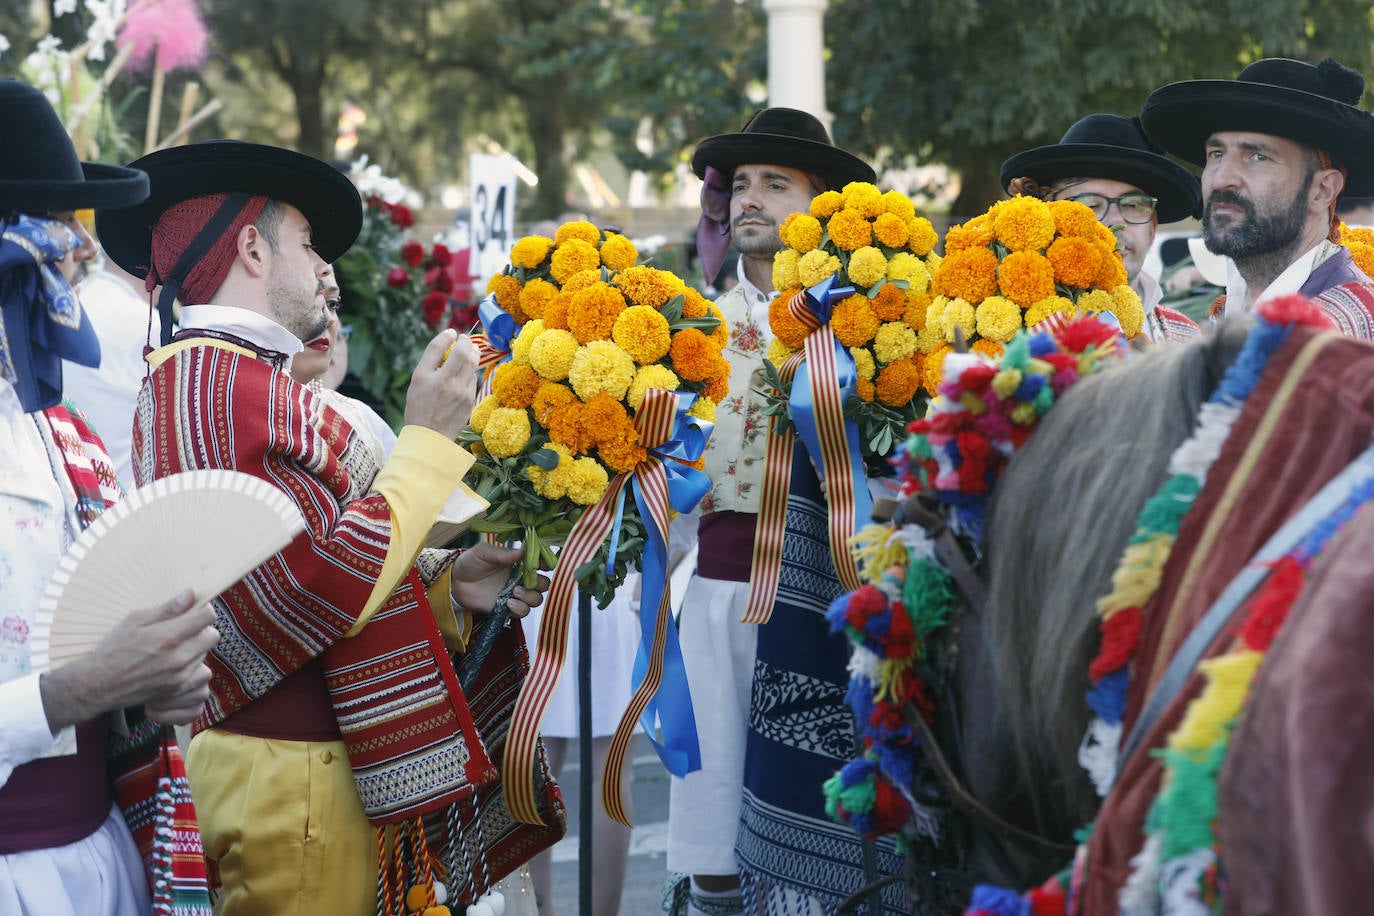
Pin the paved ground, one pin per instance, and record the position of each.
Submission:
(648, 844)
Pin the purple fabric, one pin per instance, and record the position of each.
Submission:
(713, 229)
(53, 801)
(725, 548)
(1335, 270)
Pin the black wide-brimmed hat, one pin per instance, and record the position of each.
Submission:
(782, 136)
(324, 195)
(1312, 105)
(1113, 147)
(39, 168)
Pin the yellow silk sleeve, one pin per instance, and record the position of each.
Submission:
(454, 627)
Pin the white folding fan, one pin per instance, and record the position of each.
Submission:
(203, 530)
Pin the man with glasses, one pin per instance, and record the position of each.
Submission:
(1105, 162)
(1279, 146)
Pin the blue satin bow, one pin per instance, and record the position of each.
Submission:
(497, 324)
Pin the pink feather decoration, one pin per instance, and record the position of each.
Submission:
(168, 32)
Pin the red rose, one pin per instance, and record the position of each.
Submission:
(434, 305)
(397, 277)
(413, 253)
(442, 282)
(401, 216)
(440, 257)
(464, 317)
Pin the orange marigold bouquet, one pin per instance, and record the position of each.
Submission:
(878, 254)
(577, 335)
(1360, 241)
(1016, 265)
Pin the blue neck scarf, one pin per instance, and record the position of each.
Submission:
(41, 322)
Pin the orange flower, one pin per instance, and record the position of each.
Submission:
(567, 429)
(899, 205)
(694, 304)
(604, 417)
(1112, 274)
(718, 386)
(976, 233)
(1076, 261)
(890, 303)
(721, 335)
(826, 203)
(990, 348)
(853, 321)
(507, 290)
(573, 256)
(648, 285)
(864, 197)
(1026, 277)
(515, 384)
(933, 369)
(556, 311)
(622, 455)
(1024, 224)
(916, 305)
(594, 311)
(694, 357)
(865, 389)
(549, 398)
(890, 230)
(897, 382)
(1075, 219)
(536, 295)
(1362, 254)
(786, 328)
(578, 229)
(969, 274)
(921, 236)
(582, 279)
(849, 230)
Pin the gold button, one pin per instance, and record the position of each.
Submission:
(327, 757)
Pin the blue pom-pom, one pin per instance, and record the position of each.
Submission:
(1107, 697)
(999, 900)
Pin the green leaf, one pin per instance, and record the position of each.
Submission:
(545, 459)
(672, 310)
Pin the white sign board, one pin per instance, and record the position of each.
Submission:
(493, 214)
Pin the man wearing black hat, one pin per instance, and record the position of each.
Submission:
(334, 718)
(65, 845)
(1105, 162)
(1278, 146)
(753, 180)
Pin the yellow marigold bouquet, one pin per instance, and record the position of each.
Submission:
(879, 254)
(1360, 241)
(587, 335)
(1016, 265)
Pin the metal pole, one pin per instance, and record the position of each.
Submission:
(584, 744)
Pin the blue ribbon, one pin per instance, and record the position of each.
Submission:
(497, 323)
(671, 707)
(822, 298)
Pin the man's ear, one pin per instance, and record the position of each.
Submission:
(1327, 185)
(250, 247)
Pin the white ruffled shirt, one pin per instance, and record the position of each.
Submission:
(1238, 301)
(240, 322)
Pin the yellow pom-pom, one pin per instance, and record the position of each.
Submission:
(417, 898)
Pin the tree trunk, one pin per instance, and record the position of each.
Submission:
(548, 128)
(979, 188)
(304, 74)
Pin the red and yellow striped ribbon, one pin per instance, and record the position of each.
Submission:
(839, 480)
(766, 565)
(488, 357)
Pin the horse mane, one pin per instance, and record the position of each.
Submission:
(1056, 526)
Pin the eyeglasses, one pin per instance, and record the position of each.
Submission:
(1135, 208)
(345, 332)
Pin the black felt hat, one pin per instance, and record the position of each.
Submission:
(39, 168)
(782, 136)
(327, 199)
(1110, 146)
(1312, 105)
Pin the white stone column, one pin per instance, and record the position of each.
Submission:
(796, 55)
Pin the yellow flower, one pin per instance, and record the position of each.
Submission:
(908, 267)
(594, 311)
(1076, 261)
(867, 266)
(536, 295)
(1362, 253)
(1075, 219)
(778, 352)
(530, 251)
(551, 355)
(932, 334)
(648, 285)
(650, 377)
(618, 252)
(703, 408)
(800, 231)
(694, 304)
(585, 481)
(899, 205)
(506, 431)
(959, 314)
(1043, 309)
(998, 319)
(863, 362)
(969, 274)
(785, 272)
(482, 412)
(891, 231)
(849, 229)
(921, 236)
(520, 346)
(601, 366)
(1024, 224)
(578, 229)
(975, 233)
(550, 484)
(853, 321)
(573, 256)
(1094, 301)
(863, 197)
(642, 332)
(815, 266)
(933, 369)
(895, 340)
(1025, 277)
(825, 204)
(1128, 310)
(507, 291)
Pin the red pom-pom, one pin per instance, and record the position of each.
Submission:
(1120, 636)
(1271, 606)
(1295, 309)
